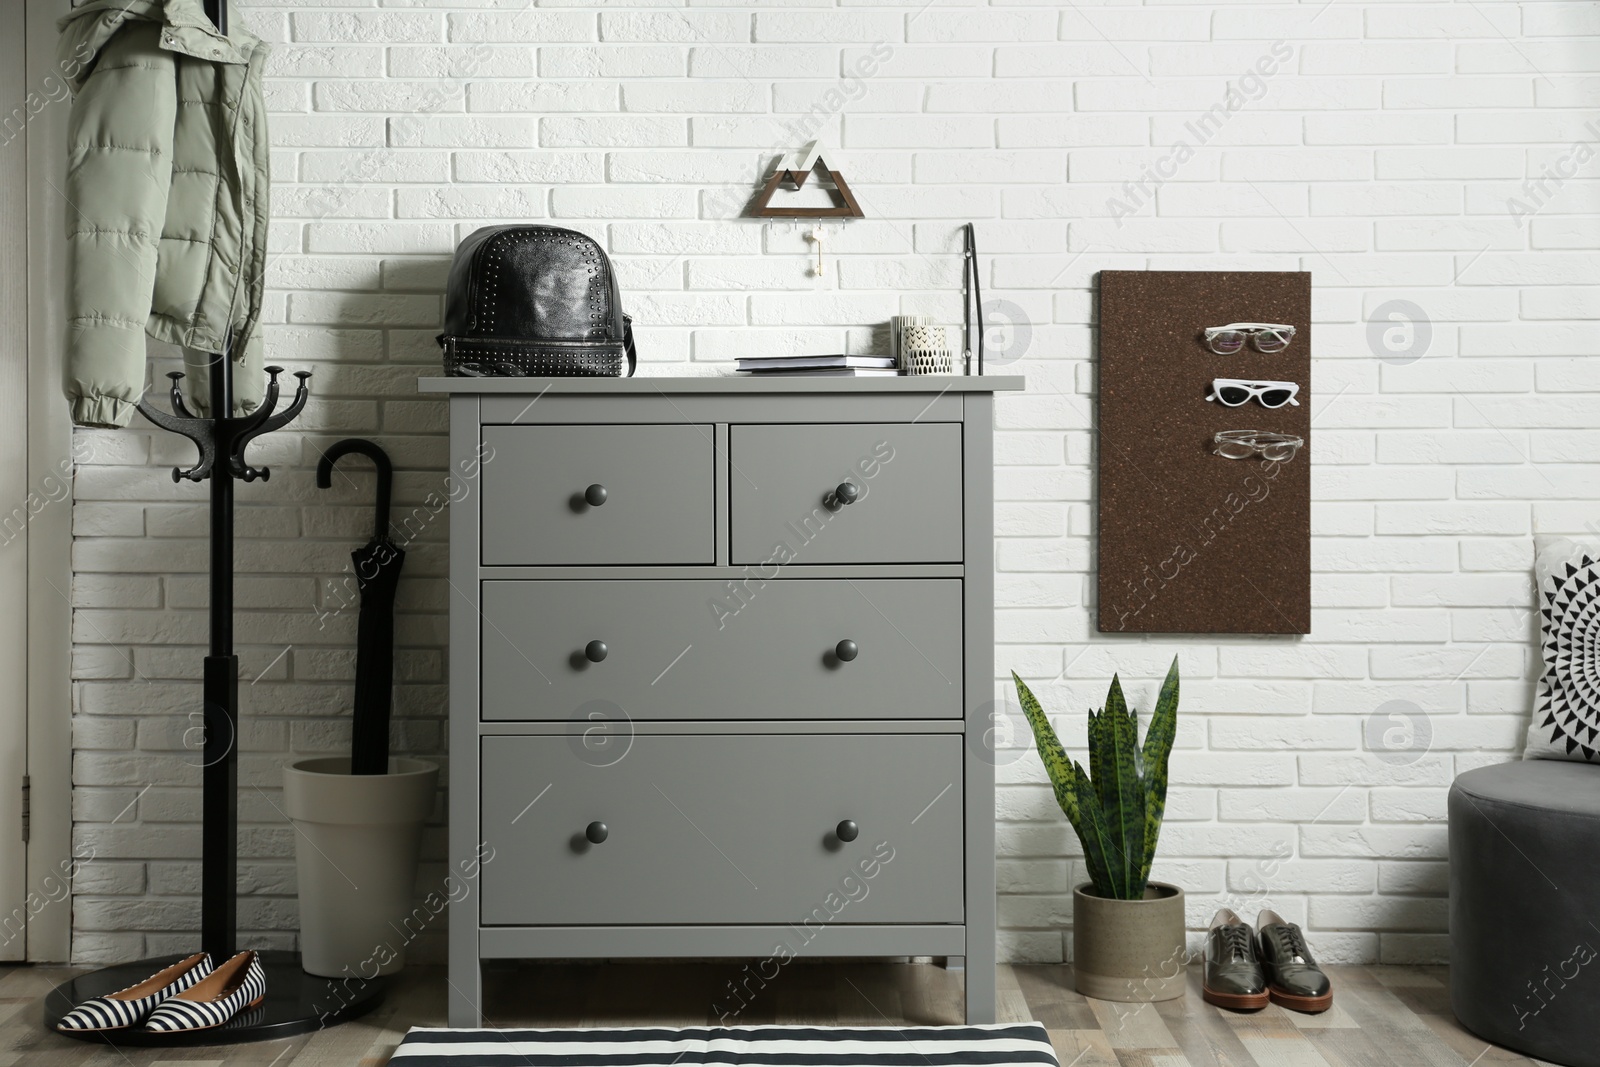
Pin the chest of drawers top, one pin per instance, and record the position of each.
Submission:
(725, 385)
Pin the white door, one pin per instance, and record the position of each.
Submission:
(14, 511)
(35, 506)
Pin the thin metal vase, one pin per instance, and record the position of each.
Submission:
(1129, 950)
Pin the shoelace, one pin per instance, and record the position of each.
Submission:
(1237, 941)
(1290, 937)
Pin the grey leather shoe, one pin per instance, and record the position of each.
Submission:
(1293, 978)
(1233, 975)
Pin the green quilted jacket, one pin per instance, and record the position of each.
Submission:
(167, 200)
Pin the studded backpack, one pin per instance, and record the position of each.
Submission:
(534, 301)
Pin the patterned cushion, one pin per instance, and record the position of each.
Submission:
(1566, 710)
(991, 1045)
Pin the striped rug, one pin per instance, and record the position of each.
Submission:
(999, 1045)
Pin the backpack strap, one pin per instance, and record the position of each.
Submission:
(627, 344)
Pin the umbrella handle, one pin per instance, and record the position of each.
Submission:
(380, 458)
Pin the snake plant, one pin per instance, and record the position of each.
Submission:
(1117, 804)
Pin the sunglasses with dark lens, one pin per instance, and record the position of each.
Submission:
(1232, 392)
(1267, 337)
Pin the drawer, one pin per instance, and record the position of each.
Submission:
(786, 507)
(707, 649)
(659, 505)
(724, 829)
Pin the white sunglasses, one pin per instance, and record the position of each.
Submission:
(1231, 392)
(1267, 337)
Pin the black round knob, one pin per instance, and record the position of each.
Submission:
(846, 492)
(596, 495)
(597, 832)
(847, 831)
(846, 651)
(596, 651)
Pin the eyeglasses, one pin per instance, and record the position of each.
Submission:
(1242, 444)
(1267, 337)
(1231, 392)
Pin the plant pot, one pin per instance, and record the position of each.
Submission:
(356, 843)
(1129, 950)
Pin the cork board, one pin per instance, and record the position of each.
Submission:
(1191, 542)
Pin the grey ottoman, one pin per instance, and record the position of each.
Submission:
(1525, 908)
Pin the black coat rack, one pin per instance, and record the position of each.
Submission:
(296, 1002)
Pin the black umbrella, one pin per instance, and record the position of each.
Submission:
(377, 567)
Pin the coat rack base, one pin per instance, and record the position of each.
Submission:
(297, 1003)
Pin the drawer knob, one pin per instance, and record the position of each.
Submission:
(595, 651)
(846, 650)
(597, 832)
(847, 492)
(596, 495)
(847, 831)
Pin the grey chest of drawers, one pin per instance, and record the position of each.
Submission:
(721, 673)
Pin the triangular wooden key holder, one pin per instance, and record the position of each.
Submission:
(845, 206)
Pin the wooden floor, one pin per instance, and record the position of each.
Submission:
(1382, 1016)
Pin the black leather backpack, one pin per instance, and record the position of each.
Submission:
(534, 301)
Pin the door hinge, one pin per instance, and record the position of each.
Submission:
(27, 809)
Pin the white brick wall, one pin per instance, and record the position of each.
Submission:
(1381, 146)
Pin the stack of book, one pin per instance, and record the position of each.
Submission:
(826, 366)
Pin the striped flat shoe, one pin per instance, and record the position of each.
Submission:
(128, 1007)
(236, 985)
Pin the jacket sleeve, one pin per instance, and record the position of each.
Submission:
(119, 172)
